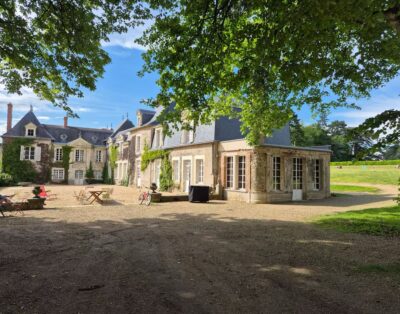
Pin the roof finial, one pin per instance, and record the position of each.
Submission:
(31, 108)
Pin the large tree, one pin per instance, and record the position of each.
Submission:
(54, 46)
(269, 56)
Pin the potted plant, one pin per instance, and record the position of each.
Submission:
(36, 202)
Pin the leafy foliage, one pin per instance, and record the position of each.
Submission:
(105, 177)
(113, 156)
(268, 57)
(89, 175)
(20, 170)
(150, 155)
(397, 199)
(66, 151)
(166, 181)
(54, 47)
(6, 179)
(384, 129)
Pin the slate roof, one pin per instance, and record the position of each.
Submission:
(124, 125)
(19, 128)
(147, 115)
(223, 129)
(58, 133)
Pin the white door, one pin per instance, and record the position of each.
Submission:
(79, 177)
(297, 179)
(187, 169)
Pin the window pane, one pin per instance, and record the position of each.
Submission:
(276, 173)
(242, 172)
(229, 172)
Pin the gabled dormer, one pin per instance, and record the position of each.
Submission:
(30, 129)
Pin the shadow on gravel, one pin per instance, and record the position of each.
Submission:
(182, 263)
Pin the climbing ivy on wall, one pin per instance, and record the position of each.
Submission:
(151, 155)
(166, 182)
(148, 156)
(113, 160)
(20, 170)
(66, 151)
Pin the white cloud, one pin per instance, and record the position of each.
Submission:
(46, 118)
(127, 40)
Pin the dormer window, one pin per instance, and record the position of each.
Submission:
(30, 129)
(30, 132)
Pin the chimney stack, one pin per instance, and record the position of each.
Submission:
(65, 122)
(9, 116)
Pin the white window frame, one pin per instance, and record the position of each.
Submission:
(33, 132)
(241, 173)
(29, 153)
(58, 154)
(99, 155)
(55, 174)
(176, 172)
(230, 172)
(199, 170)
(316, 179)
(276, 173)
(297, 173)
(158, 138)
(79, 155)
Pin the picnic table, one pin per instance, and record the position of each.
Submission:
(95, 197)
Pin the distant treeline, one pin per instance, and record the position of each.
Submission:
(345, 144)
(366, 163)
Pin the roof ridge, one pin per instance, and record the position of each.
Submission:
(78, 127)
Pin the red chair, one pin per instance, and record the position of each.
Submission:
(46, 194)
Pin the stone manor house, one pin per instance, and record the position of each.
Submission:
(215, 155)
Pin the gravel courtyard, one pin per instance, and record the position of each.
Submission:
(221, 257)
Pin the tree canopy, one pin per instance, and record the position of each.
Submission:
(269, 57)
(54, 46)
(265, 57)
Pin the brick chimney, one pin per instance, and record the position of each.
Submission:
(9, 116)
(65, 122)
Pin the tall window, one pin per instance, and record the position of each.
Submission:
(57, 174)
(138, 148)
(98, 174)
(29, 153)
(59, 154)
(229, 172)
(99, 156)
(79, 155)
(241, 172)
(297, 174)
(199, 170)
(276, 173)
(175, 170)
(157, 138)
(316, 166)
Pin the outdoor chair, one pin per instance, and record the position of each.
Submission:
(46, 194)
(80, 196)
(106, 196)
(6, 204)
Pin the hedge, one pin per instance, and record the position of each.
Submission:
(367, 163)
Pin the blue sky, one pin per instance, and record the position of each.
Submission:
(120, 90)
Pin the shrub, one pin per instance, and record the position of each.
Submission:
(166, 182)
(89, 173)
(6, 179)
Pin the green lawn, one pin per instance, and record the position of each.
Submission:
(366, 174)
(375, 221)
(353, 188)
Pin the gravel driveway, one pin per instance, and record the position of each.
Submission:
(222, 257)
